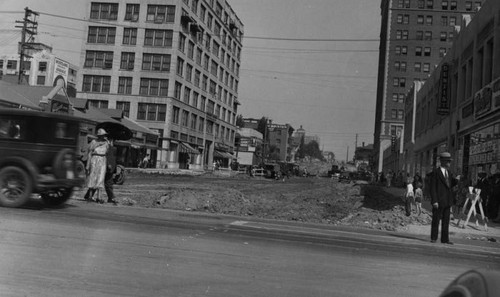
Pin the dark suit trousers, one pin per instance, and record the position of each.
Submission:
(440, 214)
(108, 185)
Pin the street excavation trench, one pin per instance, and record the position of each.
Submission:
(312, 199)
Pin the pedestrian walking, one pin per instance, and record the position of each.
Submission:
(409, 197)
(96, 166)
(441, 185)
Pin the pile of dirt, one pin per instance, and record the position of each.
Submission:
(314, 200)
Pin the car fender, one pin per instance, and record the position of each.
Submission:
(23, 163)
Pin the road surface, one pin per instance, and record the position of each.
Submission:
(103, 250)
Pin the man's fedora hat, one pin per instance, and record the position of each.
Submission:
(445, 156)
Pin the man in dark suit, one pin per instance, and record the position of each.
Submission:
(441, 185)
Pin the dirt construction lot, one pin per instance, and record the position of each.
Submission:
(313, 199)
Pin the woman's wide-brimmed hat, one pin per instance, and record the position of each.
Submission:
(445, 156)
(101, 132)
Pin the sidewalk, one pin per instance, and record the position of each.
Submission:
(472, 231)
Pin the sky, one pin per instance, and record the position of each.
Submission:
(305, 63)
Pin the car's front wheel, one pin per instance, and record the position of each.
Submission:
(15, 186)
(56, 197)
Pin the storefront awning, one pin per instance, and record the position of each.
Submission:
(186, 148)
(223, 155)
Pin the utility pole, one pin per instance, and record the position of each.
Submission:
(347, 156)
(29, 27)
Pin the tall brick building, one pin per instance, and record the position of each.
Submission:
(415, 35)
(173, 66)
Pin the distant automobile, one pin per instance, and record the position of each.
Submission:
(345, 177)
(38, 155)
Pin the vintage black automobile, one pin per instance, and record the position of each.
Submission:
(38, 156)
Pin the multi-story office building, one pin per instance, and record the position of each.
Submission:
(172, 66)
(415, 35)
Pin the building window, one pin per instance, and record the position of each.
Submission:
(430, 4)
(394, 113)
(11, 64)
(96, 83)
(127, 61)
(418, 51)
(203, 101)
(105, 35)
(420, 19)
(468, 5)
(40, 80)
(427, 67)
(450, 36)
(190, 52)
(187, 94)
(194, 119)
(189, 72)
(182, 42)
(428, 35)
(98, 59)
(156, 62)
(151, 112)
(399, 19)
(132, 12)
(178, 90)
(428, 20)
(427, 51)
(420, 35)
(421, 4)
(98, 103)
(197, 75)
(444, 21)
(417, 67)
(453, 21)
(404, 36)
(400, 114)
(444, 5)
(180, 66)
(158, 38)
(154, 87)
(125, 85)
(443, 36)
(175, 114)
(453, 5)
(404, 50)
(161, 13)
(184, 118)
(401, 98)
(398, 34)
(103, 11)
(129, 36)
(124, 106)
(213, 68)
(406, 19)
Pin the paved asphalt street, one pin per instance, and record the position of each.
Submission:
(87, 249)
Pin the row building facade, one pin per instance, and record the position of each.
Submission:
(415, 35)
(458, 107)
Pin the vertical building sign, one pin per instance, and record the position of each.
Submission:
(443, 107)
(61, 69)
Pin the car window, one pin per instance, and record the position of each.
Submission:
(12, 128)
(65, 131)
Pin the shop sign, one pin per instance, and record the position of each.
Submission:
(482, 102)
(444, 101)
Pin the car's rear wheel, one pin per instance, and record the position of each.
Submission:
(16, 186)
(119, 177)
(56, 197)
